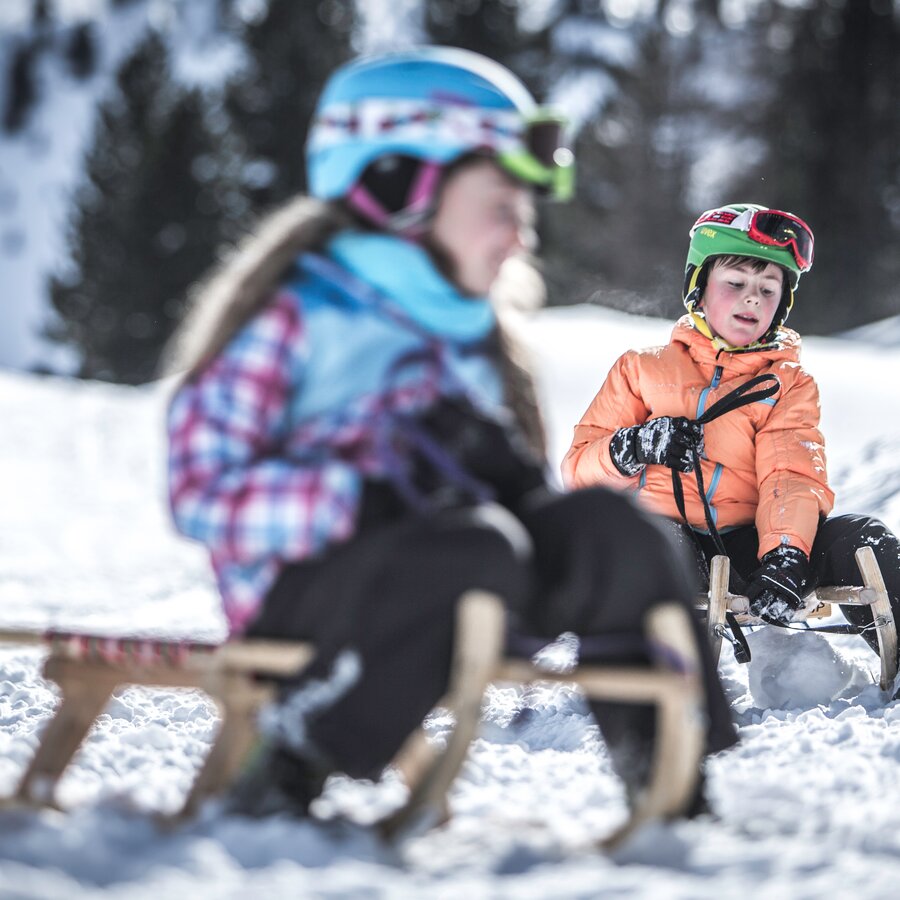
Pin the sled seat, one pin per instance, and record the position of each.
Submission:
(871, 593)
(240, 677)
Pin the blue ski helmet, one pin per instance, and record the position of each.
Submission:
(433, 105)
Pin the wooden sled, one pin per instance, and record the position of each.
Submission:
(677, 694)
(818, 604)
(238, 677)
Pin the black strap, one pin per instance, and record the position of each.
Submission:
(740, 396)
(735, 399)
(738, 639)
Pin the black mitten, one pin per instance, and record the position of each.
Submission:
(777, 588)
(492, 452)
(379, 504)
(666, 441)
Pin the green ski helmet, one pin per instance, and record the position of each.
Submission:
(747, 229)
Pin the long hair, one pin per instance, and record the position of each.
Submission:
(243, 283)
(518, 291)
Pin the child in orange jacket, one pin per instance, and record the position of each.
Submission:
(765, 494)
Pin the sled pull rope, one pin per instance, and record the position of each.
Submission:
(740, 396)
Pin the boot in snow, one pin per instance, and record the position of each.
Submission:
(275, 781)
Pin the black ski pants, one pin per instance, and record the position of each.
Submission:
(588, 562)
(832, 560)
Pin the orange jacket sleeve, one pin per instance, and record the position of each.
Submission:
(618, 404)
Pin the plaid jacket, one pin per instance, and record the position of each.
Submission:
(270, 444)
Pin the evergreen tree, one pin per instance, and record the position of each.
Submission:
(833, 131)
(292, 48)
(21, 86)
(81, 50)
(154, 208)
(41, 13)
(493, 28)
(621, 240)
(490, 27)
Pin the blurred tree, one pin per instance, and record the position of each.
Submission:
(621, 242)
(495, 28)
(81, 50)
(291, 50)
(833, 131)
(490, 27)
(41, 13)
(153, 209)
(21, 86)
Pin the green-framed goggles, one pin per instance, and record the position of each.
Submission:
(544, 159)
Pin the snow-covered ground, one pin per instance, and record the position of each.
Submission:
(808, 803)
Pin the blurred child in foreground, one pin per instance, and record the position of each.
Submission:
(357, 447)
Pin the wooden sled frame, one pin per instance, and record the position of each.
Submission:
(872, 593)
(88, 670)
(238, 677)
(677, 694)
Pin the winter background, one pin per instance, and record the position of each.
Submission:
(808, 805)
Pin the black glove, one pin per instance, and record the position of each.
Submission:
(379, 503)
(666, 441)
(495, 454)
(778, 586)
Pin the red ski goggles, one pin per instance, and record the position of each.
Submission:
(770, 227)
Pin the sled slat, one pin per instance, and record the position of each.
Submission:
(150, 657)
(718, 603)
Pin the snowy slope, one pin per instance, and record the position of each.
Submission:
(808, 802)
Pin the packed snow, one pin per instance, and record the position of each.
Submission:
(806, 805)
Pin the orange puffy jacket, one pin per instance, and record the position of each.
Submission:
(763, 463)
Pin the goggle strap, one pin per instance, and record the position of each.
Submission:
(408, 221)
(422, 192)
(695, 277)
(364, 202)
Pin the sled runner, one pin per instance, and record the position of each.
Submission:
(240, 677)
(872, 593)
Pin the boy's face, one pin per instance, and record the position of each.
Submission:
(739, 303)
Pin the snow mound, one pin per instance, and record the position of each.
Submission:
(796, 670)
